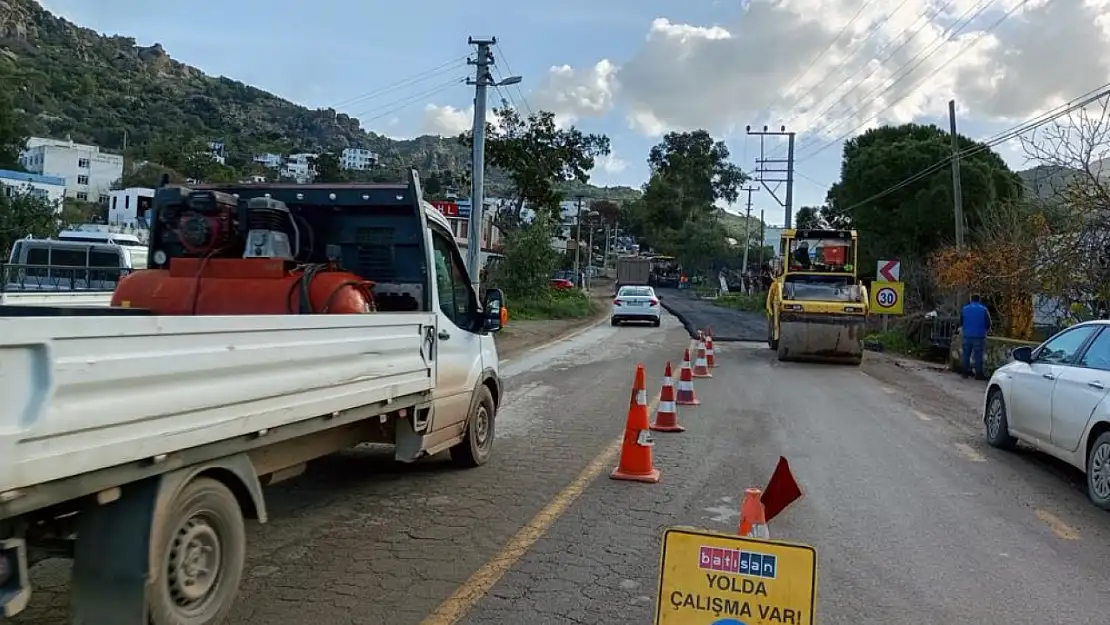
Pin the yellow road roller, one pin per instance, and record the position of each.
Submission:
(816, 306)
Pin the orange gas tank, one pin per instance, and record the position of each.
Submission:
(243, 286)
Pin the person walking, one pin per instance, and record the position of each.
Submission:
(975, 323)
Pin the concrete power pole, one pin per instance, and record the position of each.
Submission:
(483, 79)
(748, 225)
(578, 240)
(957, 192)
(761, 171)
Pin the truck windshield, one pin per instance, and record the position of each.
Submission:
(820, 289)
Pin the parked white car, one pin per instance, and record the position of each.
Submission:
(1054, 398)
(636, 303)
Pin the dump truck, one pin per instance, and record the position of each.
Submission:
(272, 325)
(633, 271)
(816, 306)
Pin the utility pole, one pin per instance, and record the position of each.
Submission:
(957, 192)
(761, 171)
(762, 243)
(578, 242)
(483, 79)
(748, 224)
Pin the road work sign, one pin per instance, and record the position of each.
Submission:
(887, 298)
(706, 578)
(889, 270)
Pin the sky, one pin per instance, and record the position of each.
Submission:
(636, 69)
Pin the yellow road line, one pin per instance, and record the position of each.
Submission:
(1058, 527)
(472, 590)
(967, 451)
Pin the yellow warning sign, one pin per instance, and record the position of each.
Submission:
(887, 298)
(706, 578)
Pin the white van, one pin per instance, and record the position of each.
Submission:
(75, 261)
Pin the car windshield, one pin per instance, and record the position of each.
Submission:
(635, 292)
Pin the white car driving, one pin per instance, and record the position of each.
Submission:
(1054, 398)
(636, 303)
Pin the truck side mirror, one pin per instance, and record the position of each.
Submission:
(496, 315)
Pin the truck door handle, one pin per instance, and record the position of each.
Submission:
(443, 335)
(1048, 376)
(1096, 384)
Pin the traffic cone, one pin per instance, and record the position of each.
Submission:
(635, 461)
(666, 415)
(701, 365)
(709, 352)
(686, 394)
(753, 519)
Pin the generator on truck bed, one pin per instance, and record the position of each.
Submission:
(274, 325)
(816, 306)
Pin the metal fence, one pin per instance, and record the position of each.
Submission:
(38, 278)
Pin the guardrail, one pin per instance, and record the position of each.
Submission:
(16, 278)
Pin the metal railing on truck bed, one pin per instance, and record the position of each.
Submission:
(15, 278)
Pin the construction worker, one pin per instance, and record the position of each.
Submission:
(975, 323)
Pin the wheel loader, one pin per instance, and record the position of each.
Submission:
(816, 306)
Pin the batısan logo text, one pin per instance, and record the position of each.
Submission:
(738, 561)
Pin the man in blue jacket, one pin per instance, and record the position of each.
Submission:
(975, 322)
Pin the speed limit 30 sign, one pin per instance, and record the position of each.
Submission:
(886, 298)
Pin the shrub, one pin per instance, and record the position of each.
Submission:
(553, 304)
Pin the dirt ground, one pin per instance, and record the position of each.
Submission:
(522, 335)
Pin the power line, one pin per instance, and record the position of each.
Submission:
(405, 82)
(822, 53)
(924, 56)
(925, 22)
(509, 69)
(1002, 137)
(407, 101)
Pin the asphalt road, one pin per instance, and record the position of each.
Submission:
(913, 517)
(728, 324)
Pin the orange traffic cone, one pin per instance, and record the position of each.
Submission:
(686, 395)
(666, 415)
(709, 352)
(635, 462)
(753, 521)
(701, 365)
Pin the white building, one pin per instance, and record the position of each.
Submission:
(51, 188)
(358, 158)
(130, 208)
(88, 172)
(298, 167)
(273, 161)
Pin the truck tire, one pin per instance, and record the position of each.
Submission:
(477, 445)
(202, 559)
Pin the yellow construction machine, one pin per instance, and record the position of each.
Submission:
(816, 306)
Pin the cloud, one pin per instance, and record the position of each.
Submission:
(779, 57)
(611, 164)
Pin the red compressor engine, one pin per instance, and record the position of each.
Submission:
(212, 256)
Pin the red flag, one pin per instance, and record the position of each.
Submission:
(781, 491)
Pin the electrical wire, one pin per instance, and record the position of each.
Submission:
(407, 101)
(405, 82)
(1006, 135)
(920, 58)
(925, 21)
(509, 68)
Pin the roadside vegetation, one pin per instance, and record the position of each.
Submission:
(756, 303)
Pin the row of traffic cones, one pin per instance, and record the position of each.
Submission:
(636, 459)
(636, 462)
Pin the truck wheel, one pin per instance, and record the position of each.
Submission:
(202, 559)
(477, 446)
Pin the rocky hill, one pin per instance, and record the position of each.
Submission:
(107, 90)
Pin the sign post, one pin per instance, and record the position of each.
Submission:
(888, 291)
(707, 578)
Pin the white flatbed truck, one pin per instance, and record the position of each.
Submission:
(140, 444)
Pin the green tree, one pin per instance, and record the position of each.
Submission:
(677, 213)
(529, 259)
(809, 217)
(13, 134)
(328, 169)
(147, 175)
(903, 217)
(608, 211)
(538, 157)
(22, 214)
